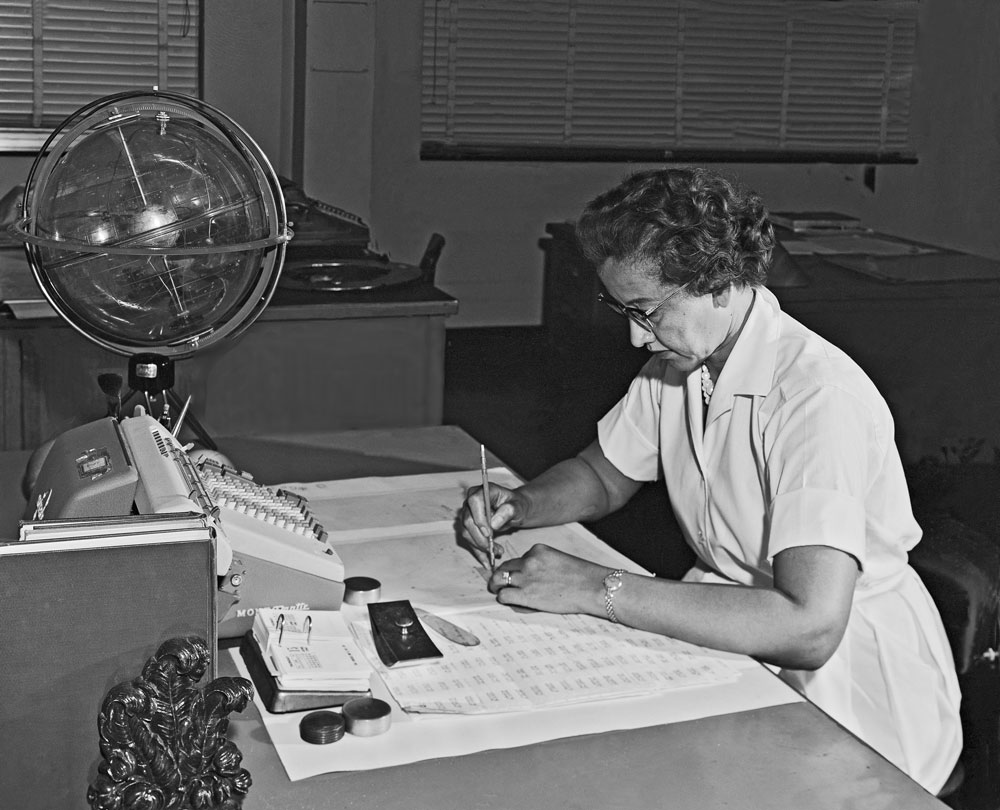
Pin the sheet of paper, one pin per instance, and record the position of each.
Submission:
(360, 508)
(436, 570)
(804, 247)
(837, 244)
(945, 267)
(414, 738)
(413, 546)
(534, 660)
(402, 531)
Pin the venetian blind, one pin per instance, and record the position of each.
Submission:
(523, 78)
(56, 56)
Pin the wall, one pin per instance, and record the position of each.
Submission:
(950, 197)
(13, 171)
(493, 214)
(250, 71)
(248, 68)
(338, 102)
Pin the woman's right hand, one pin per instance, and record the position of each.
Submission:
(506, 511)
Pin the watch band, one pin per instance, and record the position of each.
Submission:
(612, 582)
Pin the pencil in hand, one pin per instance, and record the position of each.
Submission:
(489, 510)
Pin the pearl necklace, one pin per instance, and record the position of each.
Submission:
(707, 386)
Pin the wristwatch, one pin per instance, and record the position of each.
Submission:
(612, 582)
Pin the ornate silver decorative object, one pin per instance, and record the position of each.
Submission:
(163, 739)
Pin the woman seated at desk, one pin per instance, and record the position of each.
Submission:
(779, 459)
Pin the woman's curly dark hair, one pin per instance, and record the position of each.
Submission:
(694, 225)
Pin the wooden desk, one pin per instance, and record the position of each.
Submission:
(789, 756)
(312, 361)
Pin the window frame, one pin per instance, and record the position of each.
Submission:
(445, 45)
(26, 138)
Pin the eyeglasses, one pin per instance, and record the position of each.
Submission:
(640, 317)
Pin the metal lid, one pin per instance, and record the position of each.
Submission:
(321, 728)
(367, 716)
(362, 590)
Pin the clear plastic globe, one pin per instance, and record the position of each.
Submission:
(154, 223)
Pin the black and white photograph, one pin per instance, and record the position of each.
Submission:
(487, 404)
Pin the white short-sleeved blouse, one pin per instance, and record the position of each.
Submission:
(797, 449)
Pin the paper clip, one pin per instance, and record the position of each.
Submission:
(309, 628)
(281, 627)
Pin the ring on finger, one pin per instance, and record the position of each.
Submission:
(506, 579)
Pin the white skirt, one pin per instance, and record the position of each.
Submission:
(892, 680)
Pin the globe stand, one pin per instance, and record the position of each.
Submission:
(152, 375)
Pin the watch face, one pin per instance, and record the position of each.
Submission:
(613, 581)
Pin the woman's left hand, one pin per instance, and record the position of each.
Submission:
(550, 580)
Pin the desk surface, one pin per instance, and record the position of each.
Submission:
(789, 756)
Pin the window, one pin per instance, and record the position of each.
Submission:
(58, 55)
(668, 79)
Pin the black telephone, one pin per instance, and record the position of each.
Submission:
(330, 251)
(317, 223)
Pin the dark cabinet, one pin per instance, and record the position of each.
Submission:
(312, 362)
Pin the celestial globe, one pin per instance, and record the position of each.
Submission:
(154, 223)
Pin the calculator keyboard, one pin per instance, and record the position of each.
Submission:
(236, 491)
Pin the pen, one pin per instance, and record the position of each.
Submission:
(489, 511)
(180, 418)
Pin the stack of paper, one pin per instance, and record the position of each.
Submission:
(814, 220)
(310, 651)
(90, 532)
